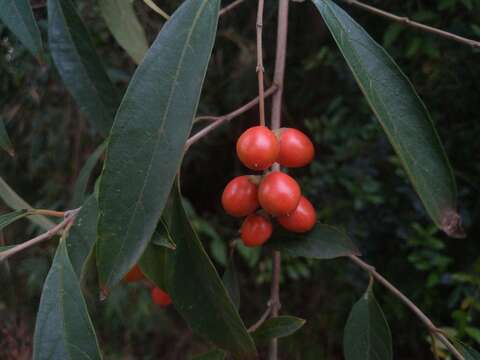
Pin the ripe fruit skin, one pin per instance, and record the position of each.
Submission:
(296, 149)
(302, 219)
(160, 297)
(258, 148)
(135, 274)
(278, 193)
(255, 230)
(240, 197)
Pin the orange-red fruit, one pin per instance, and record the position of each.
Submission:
(240, 197)
(255, 230)
(135, 274)
(302, 219)
(278, 193)
(258, 148)
(296, 149)
(160, 297)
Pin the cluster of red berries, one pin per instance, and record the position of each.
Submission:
(159, 297)
(277, 193)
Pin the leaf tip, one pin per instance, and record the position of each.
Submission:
(451, 224)
(104, 291)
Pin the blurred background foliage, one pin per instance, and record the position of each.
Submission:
(355, 181)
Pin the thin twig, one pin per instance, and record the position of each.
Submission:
(428, 323)
(406, 21)
(278, 79)
(47, 212)
(260, 69)
(261, 320)
(224, 118)
(68, 220)
(230, 7)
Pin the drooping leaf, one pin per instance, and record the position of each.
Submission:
(11, 217)
(80, 66)
(63, 329)
(148, 138)
(82, 181)
(277, 327)
(207, 308)
(14, 201)
(367, 334)
(322, 242)
(17, 15)
(402, 115)
(82, 235)
(125, 27)
(5, 142)
(211, 355)
(230, 281)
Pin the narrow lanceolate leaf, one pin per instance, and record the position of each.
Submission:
(82, 182)
(207, 309)
(82, 235)
(402, 115)
(79, 65)
(125, 27)
(211, 355)
(281, 326)
(323, 242)
(17, 15)
(63, 329)
(11, 217)
(5, 142)
(230, 281)
(14, 201)
(147, 141)
(162, 235)
(367, 334)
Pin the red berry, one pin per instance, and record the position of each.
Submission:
(240, 197)
(278, 193)
(135, 274)
(296, 149)
(255, 230)
(257, 148)
(160, 297)
(302, 219)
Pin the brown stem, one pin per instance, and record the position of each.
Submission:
(260, 69)
(278, 78)
(229, 7)
(406, 21)
(69, 218)
(47, 212)
(419, 313)
(219, 120)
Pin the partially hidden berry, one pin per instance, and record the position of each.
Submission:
(240, 196)
(135, 274)
(302, 219)
(160, 297)
(296, 149)
(278, 193)
(256, 230)
(258, 148)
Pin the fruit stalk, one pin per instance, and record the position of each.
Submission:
(260, 69)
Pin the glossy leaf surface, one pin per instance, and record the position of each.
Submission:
(277, 327)
(147, 141)
(402, 115)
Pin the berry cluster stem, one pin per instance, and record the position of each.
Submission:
(260, 68)
(279, 74)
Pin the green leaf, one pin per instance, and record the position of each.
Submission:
(11, 217)
(148, 138)
(230, 281)
(5, 142)
(198, 293)
(468, 352)
(367, 334)
(82, 235)
(63, 329)
(81, 185)
(14, 201)
(162, 235)
(153, 264)
(125, 27)
(322, 242)
(211, 355)
(18, 17)
(277, 327)
(79, 65)
(401, 113)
